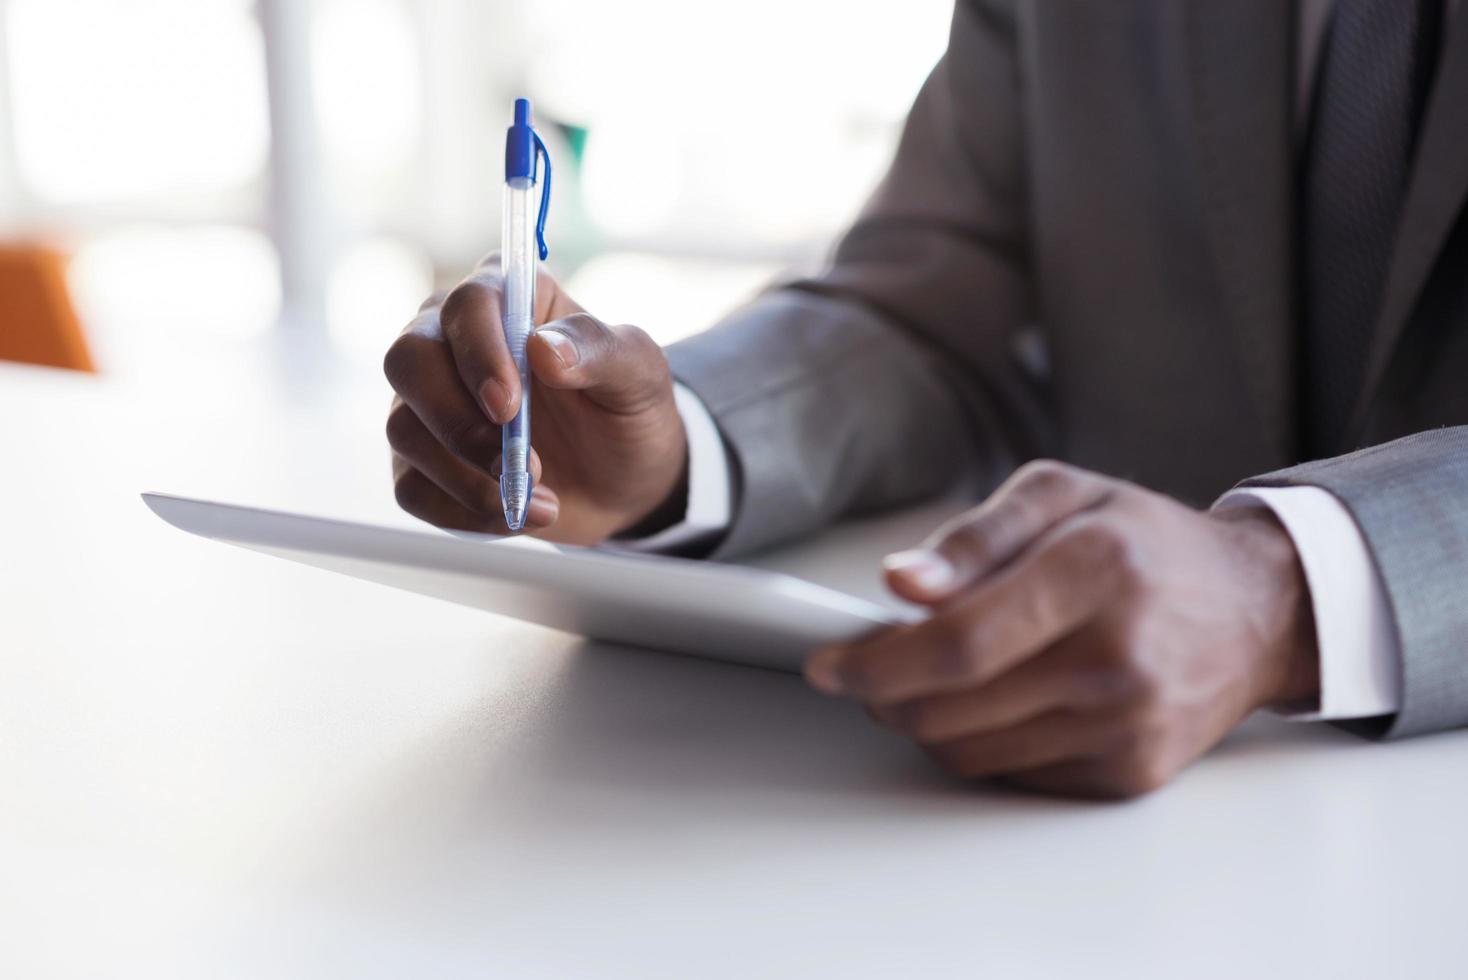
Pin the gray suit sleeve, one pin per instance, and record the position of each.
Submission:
(1410, 499)
(893, 374)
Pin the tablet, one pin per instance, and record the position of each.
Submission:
(706, 609)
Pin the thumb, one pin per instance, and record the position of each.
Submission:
(978, 542)
(619, 368)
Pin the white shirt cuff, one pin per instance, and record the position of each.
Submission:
(1360, 660)
(709, 489)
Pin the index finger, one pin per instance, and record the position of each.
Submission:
(472, 318)
(1022, 611)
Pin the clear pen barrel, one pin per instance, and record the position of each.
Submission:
(518, 260)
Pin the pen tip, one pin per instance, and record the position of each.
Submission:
(515, 498)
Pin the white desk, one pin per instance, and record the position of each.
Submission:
(217, 764)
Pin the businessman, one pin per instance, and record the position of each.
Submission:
(1187, 280)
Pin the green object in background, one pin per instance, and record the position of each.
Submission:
(575, 137)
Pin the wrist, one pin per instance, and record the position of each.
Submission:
(672, 507)
(1290, 660)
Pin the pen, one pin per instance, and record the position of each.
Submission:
(523, 239)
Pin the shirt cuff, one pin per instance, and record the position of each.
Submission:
(1360, 658)
(709, 489)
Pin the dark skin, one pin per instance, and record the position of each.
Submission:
(609, 442)
(1087, 637)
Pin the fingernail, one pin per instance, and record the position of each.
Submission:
(928, 570)
(542, 510)
(563, 347)
(494, 395)
(822, 670)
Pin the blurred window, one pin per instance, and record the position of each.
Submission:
(699, 151)
(152, 99)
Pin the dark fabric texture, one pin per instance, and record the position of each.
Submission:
(1086, 248)
(1363, 127)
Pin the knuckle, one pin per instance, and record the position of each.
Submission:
(488, 278)
(401, 362)
(633, 337)
(434, 300)
(974, 538)
(402, 426)
(1127, 680)
(472, 291)
(1096, 543)
(466, 438)
(640, 343)
(1026, 511)
(408, 490)
(1043, 477)
(1125, 559)
(1103, 546)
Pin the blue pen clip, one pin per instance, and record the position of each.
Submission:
(523, 151)
(544, 154)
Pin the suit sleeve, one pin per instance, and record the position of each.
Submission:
(1410, 500)
(900, 370)
(1356, 641)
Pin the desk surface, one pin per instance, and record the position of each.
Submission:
(219, 764)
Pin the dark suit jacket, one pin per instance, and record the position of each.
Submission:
(1085, 249)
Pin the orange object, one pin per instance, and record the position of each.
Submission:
(38, 324)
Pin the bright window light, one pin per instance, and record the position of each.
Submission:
(368, 87)
(796, 184)
(763, 59)
(669, 298)
(632, 176)
(374, 290)
(764, 138)
(122, 100)
(203, 281)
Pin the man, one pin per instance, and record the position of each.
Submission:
(1186, 245)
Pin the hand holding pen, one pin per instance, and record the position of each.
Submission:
(609, 449)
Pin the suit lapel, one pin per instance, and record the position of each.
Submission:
(1435, 197)
(1240, 58)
